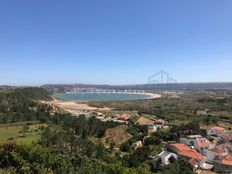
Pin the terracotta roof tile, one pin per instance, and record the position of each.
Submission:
(145, 121)
(217, 128)
(203, 142)
(226, 161)
(180, 146)
(191, 154)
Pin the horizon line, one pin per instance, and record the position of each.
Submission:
(99, 84)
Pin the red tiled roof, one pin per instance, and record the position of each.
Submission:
(145, 121)
(217, 128)
(180, 146)
(187, 151)
(191, 154)
(124, 117)
(203, 142)
(227, 161)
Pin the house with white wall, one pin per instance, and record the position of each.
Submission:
(164, 158)
(183, 151)
(197, 142)
(216, 131)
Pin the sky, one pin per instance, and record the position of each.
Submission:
(114, 41)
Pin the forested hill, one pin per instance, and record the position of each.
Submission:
(32, 93)
(21, 104)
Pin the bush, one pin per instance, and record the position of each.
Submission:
(125, 147)
(152, 141)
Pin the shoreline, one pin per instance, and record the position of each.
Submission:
(150, 95)
(75, 107)
(81, 106)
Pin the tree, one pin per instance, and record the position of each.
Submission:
(178, 167)
(152, 141)
(32, 159)
(137, 157)
(125, 147)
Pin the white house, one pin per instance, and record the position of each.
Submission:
(195, 159)
(197, 142)
(217, 131)
(138, 144)
(152, 128)
(164, 158)
(159, 123)
(152, 123)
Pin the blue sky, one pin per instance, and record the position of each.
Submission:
(114, 41)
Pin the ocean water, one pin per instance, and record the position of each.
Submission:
(85, 96)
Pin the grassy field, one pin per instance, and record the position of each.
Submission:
(13, 132)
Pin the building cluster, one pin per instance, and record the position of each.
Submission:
(153, 124)
(103, 90)
(200, 153)
(121, 118)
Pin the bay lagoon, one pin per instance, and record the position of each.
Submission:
(96, 96)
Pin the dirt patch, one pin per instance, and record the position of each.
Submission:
(145, 121)
(208, 172)
(116, 135)
(76, 107)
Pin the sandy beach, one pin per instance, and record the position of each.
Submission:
(77, 107)
(152, 95)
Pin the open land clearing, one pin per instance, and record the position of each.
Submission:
(13, 132)
(75, 107)
(116, 135)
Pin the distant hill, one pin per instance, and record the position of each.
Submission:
(179, 86)
(7, 87)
